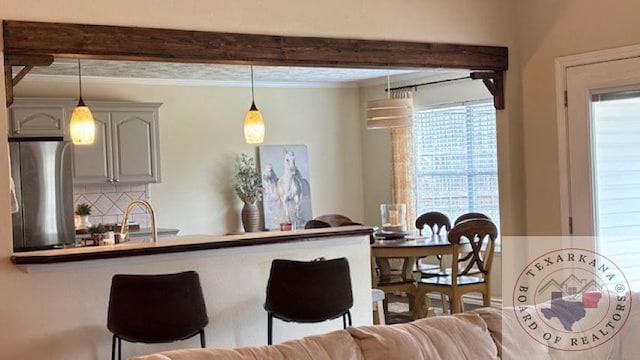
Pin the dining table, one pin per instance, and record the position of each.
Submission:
(408, 248)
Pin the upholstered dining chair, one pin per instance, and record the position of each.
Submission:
(479, 235)
(155, 309)
(308, 292)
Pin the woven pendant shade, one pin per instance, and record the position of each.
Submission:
(389, 113)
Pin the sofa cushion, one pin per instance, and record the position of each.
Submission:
(462, 336)
(508, 336)
(330, 346)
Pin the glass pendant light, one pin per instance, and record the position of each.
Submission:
(82, 126)
(253, 123)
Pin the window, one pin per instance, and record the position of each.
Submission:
(616, 167)
(456, 159)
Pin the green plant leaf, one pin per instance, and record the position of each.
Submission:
(248, 182)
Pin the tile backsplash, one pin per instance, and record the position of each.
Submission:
(108, 202)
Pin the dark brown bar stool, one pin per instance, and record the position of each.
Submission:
(308, 292)
(155, 309)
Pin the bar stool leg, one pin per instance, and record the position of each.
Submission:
(379, 318)
(113, 347)
(269, 329)
(203, 342)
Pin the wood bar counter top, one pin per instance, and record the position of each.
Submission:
(180, 244)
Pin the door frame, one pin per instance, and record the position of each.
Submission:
(561, 66)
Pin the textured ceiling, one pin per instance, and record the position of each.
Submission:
(216, 73)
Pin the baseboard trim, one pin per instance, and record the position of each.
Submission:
(472, 300)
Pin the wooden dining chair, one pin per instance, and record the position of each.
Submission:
(465, 258)
(438, 224)
(479, 235)
(435, 221)
(316, 224)
(335, 220)
(470, 215)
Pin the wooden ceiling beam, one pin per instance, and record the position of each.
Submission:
(152, 44)
(26, 38)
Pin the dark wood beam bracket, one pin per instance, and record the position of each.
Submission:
(24, 38)
(25, 70)
(8, 85)
(28, 62)
(494, 81)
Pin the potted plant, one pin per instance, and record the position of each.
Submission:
(83, 210)
(97, 233)
(249, 189)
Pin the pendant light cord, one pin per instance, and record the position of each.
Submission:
(252, 99)
(388, 84)
(80, 78)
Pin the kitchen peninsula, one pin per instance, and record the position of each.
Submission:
(233, 270)
(178, 244)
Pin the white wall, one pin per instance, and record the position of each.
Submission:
(201, 133)
(490, 22)
(551, 29)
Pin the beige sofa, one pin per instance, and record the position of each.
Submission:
(475, 335)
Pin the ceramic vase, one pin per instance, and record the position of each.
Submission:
(250, 217)
(84, 221)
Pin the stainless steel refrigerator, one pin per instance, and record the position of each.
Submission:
(42, 172)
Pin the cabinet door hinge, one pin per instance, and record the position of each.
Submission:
(566, 99)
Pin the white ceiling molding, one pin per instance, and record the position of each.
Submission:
(159, 73)
(189, 82)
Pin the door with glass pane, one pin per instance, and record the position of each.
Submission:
(603, 107)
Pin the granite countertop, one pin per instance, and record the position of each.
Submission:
(176, 244)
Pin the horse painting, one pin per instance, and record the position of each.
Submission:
(291, 187)
(287, 195)
(270, 183)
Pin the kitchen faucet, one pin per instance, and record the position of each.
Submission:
(152, 215)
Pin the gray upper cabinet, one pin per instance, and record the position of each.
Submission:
(38, 117)
(126, 148)
(92, 164)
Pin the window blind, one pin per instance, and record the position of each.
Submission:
(456, 159)
(616, 168)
